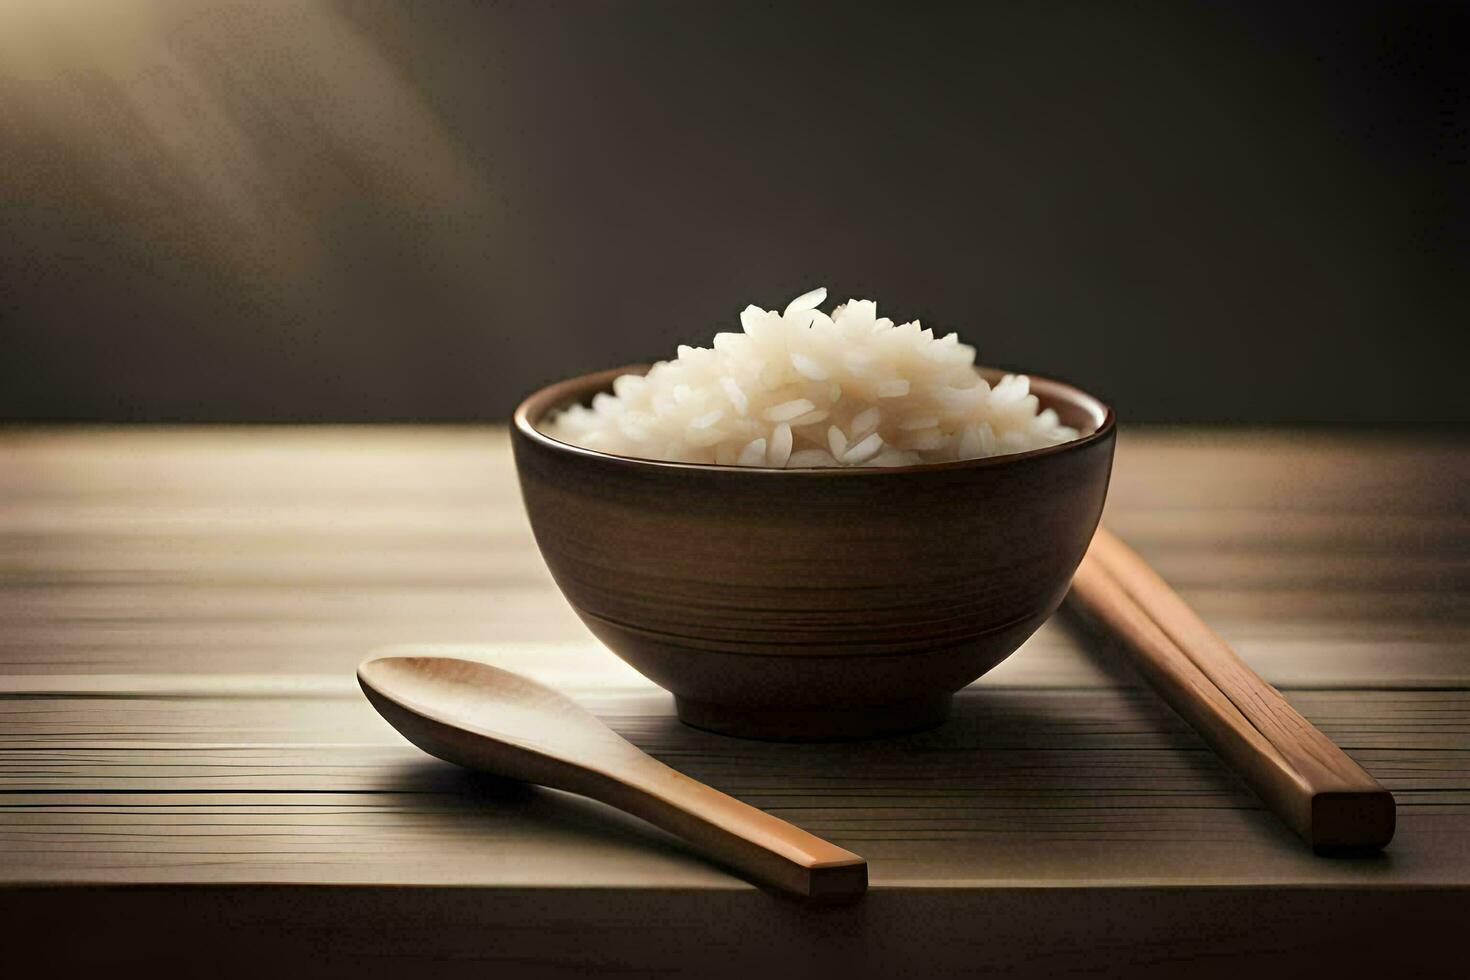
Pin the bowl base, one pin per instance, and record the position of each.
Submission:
(815, 724)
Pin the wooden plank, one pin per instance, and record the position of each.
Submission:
(1057, 656)
(263, 550)
(500, 841)
(1084, 785)
(180, 612)
(1030, 930)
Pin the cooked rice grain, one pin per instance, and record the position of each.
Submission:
(804, 389)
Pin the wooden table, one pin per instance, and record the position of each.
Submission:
(187, 770)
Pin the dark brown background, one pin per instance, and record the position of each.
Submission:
(387, 210)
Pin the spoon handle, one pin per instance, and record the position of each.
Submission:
(764, 847)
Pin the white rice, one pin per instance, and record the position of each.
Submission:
(805, 389)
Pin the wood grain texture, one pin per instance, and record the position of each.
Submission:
(1308, 781)
(502, 723)
(181, 612)
(829, 602)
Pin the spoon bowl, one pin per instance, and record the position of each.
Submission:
(496, 721)
(816, 603)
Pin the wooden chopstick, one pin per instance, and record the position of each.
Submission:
(1296, 770)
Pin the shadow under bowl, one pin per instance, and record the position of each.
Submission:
(816, 603)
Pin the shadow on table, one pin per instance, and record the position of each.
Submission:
(1021, 767)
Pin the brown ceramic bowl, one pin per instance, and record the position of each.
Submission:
(818, 603)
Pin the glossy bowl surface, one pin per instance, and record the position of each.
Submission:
(816, 603)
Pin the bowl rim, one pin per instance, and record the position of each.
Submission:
(541, 400)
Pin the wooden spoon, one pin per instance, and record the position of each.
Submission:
(489, 719)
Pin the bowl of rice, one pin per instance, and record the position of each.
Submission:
(822, 525)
